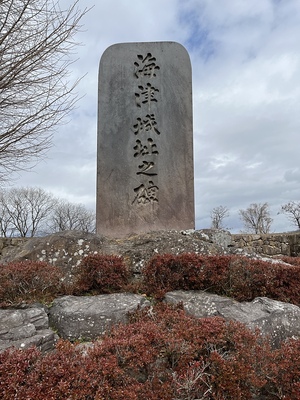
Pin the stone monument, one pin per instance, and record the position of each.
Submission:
(145, 178)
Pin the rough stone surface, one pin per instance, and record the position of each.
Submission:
(145, 140)
(22, 328)
(275, 319)
(89, 317)
(66, 249)
(53, 248)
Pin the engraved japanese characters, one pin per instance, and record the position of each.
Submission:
(146, 128)
(145, 145)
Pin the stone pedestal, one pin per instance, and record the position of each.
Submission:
(145, 178)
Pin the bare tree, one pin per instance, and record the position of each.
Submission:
(256, 218)
(24, 209)
(217, 217)
(6, 227)
(36, 44)
(292, 210)
(70, 216)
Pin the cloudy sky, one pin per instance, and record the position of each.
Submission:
(245, 57)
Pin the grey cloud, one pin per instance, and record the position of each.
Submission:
(246, 87)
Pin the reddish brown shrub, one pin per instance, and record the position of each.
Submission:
(65, 374)
(248, 278)
(185, 271)
(100, 273)
(162, 354)
(252, 278)
(15, 367)
(283, 372)
(285, 284)
(209, 356)
(29, 281)
(240, 277)
(162, 273)
(215, 269)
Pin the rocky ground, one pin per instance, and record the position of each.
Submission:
(66, 249)
(85, 318)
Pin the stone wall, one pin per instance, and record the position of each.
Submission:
(8, 244)
(287, 244)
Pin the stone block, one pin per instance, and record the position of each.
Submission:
(145, 178)
(276, 320)
(23, 328)
(87, 318)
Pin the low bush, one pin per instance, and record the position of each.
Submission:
(100, 274)
(283, 372)
(187, 271)
(240, 277)
(250, 278)
(161, 354)
(29, 281)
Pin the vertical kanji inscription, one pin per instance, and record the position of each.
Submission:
(145, 95)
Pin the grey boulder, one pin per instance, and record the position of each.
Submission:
(86, 318)
(275, 319)
(23, 328)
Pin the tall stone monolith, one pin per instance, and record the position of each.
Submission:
(145, 178)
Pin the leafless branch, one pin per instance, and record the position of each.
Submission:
(36, 49)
